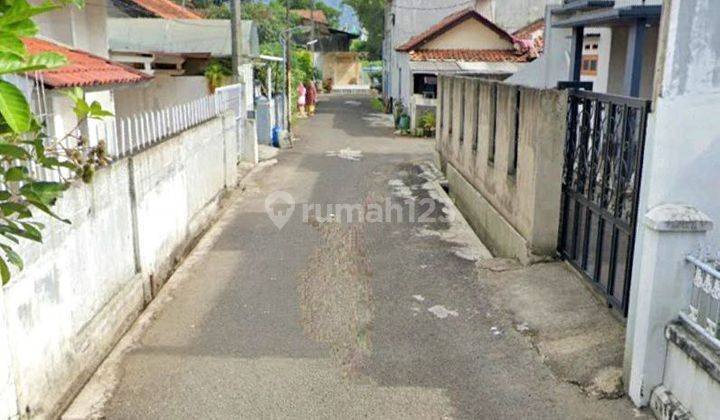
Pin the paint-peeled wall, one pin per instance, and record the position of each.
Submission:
(89, 280)
(684, 133)
(680, 167)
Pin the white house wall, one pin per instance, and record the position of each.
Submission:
(162, 92)
(684, 139)
(553, 65)
(681, 166)
(603, 73)
(512, 15)
(80, 28)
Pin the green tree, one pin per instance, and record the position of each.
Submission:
(24, 146)
(371, 14)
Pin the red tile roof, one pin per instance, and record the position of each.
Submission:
(490, 56)
(83, 69)
(318, 16)
(166, 9)
(448, 23)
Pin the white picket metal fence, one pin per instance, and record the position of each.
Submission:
(125, 136)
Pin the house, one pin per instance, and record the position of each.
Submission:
(331, 50)
(612, 46)
(99, 77)
(465, 42)
(176, 52)
(405, 19)
(80, 35)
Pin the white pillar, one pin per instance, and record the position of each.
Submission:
(249, 147)
(670, 232)
(269, 81)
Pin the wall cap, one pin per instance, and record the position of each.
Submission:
(677, 218)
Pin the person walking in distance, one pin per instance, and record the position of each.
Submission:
(311, 97)
(302, 100)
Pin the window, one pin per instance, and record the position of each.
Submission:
(425, 85)
(589, 65)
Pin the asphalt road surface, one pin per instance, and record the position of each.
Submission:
(330, 318)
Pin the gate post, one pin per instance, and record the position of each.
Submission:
(669, 233)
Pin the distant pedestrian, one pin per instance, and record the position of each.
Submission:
(311, 97)
(302, 100)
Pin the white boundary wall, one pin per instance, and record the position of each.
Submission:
(84, 286)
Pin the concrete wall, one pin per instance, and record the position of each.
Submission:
(681, 166)
(89, 280)
(342, 67)
(515, 211)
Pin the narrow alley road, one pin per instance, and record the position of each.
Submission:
(329, 319)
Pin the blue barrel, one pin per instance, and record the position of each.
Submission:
(276, 136)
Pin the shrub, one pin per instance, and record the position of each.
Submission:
(427, 121)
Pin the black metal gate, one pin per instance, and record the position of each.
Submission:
(601, 183)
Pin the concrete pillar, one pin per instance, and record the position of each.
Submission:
(670, 232)
(249, 143)
(634, 59)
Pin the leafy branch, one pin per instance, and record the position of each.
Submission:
(25, 149)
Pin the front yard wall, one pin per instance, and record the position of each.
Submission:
(514, 210)
(89, 280)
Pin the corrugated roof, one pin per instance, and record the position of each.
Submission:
(83, 69)
(448, 23)
(490, 56)
(166, 9)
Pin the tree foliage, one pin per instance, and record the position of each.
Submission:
(371, 14)
(24, 146)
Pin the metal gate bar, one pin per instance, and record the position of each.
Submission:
(600, 193)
